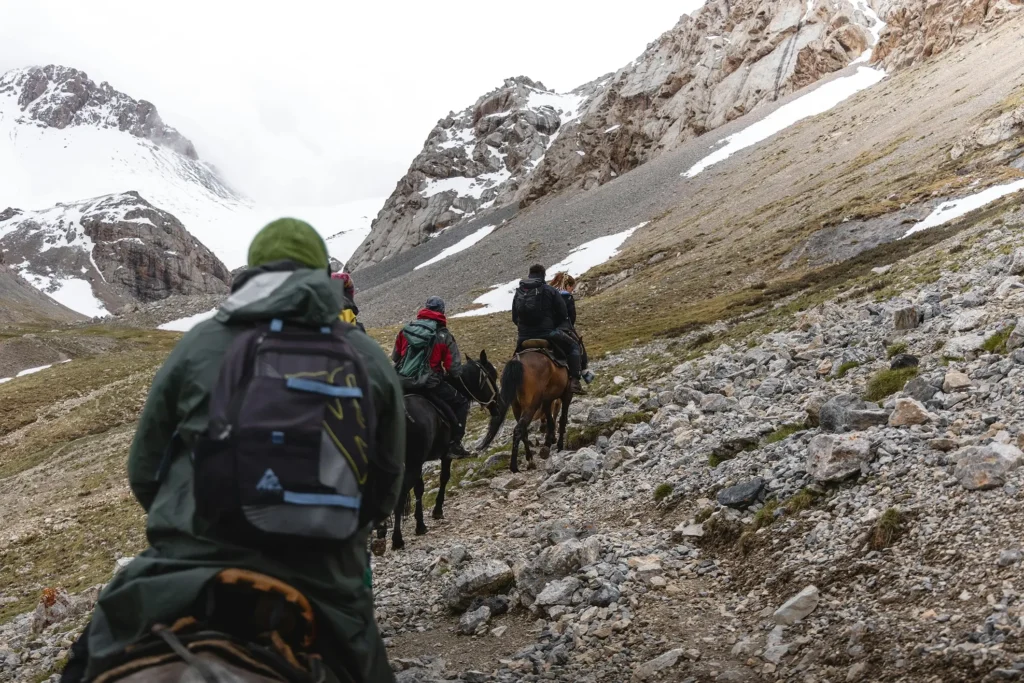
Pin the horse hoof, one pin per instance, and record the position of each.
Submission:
(437, 514)
(514, 470)
(379, 546)
(397, 545)
(421, 530)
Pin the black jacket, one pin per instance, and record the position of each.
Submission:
(570, 308)
(553, 314)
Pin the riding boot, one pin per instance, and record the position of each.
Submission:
(574, 373)
(459, 430)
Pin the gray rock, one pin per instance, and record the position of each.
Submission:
(1009, 557)
(741, 495)
(798, 607)
(480, 579)
(605, 595)
(1016, 338)
(660, 663)
(599, 416)
(832, 458)
(474, 622)
(558, 592)
(554, 563)
(920, 389)
(980, 468)
(904, 360)
(716, 403)
(850, 413)
(964, 346)
(955, 382)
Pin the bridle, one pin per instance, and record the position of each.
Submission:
(485, 380)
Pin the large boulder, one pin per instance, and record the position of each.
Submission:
(850, 413)
(798, 607)
(741, 495)
(553, 563)
(909, 412)
(480, 579)
(834, 457)
(979, 468)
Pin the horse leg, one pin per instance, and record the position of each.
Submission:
(564, 419)
(517, 435)
(446, 474)
(421, 528)
(524, 426)
(397, 542)
(549, 430)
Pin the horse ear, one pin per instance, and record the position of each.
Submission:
(483, 356)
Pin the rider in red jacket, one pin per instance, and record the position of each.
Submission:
(444, 362)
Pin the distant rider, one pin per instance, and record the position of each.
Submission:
(425, 355)
(566, 284)
(539, 311)
(349, 310)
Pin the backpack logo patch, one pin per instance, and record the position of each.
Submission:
(269, 482)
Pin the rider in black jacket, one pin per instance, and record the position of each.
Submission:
(539, 310)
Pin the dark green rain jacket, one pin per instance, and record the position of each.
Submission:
(166, 580)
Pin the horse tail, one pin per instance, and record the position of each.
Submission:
(511, 381)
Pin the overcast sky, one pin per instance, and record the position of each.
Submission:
(324, 102)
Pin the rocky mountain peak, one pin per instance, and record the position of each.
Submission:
(59, 97)
(472, 160)
(100, 254)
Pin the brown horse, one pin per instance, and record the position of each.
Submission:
(530, 384)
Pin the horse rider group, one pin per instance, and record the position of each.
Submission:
(271, 441)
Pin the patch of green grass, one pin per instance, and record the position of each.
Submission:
(662, 492)
(75, 557)
(846, 367)
(784, 432)
(715, 459)
(802, 500)
(997, 342)
(766, 515)
(888, 528)
(896, 349)
(58, 667)
(703, 515)
(946, 360)
(885, 383)
(581, 437)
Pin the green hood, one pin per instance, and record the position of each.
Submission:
(288, 239)
(303, 296)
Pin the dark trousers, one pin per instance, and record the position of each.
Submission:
(446, 395)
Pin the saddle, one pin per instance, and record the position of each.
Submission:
(255, 629)
(544, 347)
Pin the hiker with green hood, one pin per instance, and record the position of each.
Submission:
(272, 439)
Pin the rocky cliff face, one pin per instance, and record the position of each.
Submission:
(58, 96)
(117, 249)
(470, 162)
(521, 142)
(921, 29)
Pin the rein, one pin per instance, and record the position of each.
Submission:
(485, 381)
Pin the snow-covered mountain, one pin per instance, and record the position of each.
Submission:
(95, 256)
(472, 161)
(73, 153)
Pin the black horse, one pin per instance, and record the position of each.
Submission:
(427, 437)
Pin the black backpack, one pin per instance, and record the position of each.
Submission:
(532, 305)
(286, 455)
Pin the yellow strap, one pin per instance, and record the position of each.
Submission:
(348, 316)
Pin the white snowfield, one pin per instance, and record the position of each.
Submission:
(584, 257)
(42, 166)
(31, 371)
(462, 245)
(956, 208)
(813, 103)
(186, 324)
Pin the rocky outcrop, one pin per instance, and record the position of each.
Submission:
(521, 142)
(58, 96)
(921, 29)
(470, 162)
(711, 68)
(124, 248)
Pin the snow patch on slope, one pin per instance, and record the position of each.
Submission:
(186, 324)
(584, 257)
(956, 208)
(876, 30)
(462, 245)
(819, 101)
